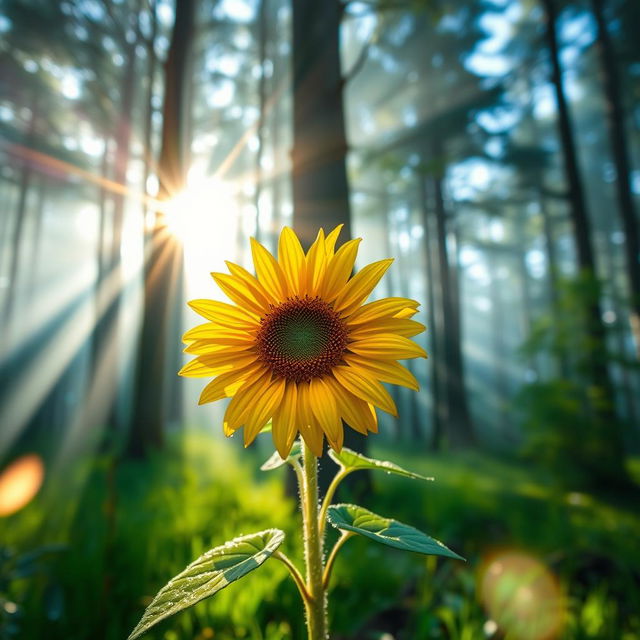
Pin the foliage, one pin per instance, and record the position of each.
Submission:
(170, 509)
(568, 420)
(217, 568)
(16, 570)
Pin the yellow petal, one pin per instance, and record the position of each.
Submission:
(292, 260)
(215, 363)
(371, 414)
(250, 281)
(330, 241)
(323, 406)
(225, 314)
(285, 426)
(406, 313)
(243, 401)
(387, 307)
(307, 424)
(226, 384)
(213, 331)
(358, 289)
(399, 326)
(350, 407)
(205, 347)
(269, 272)
(339, 270)
(263, 408)
(383, 370)
(316, 264)
(365, 388)
(237, 291)
(387, 346)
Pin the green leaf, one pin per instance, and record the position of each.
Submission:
(351, 517)
(352, 460)
(276, 461)
(210, 573)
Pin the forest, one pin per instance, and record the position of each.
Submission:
(490, 147)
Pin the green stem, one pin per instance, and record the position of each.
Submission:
(337, 479)
(333, 555)
(316, 606)
(295, 574)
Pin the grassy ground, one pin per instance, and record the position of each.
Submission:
(135, 525)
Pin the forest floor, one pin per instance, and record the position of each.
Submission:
(136, 524)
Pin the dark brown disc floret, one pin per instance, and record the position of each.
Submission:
(301, 339)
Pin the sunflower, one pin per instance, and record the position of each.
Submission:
(299, 346)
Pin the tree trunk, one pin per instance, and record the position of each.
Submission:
(554, 272)
(319, 177)
(458, 428)
(101, 254)
(280, 154)
(612, 453)
(36, 238)
(537, 181)
(498, 346)
(615, 122)
(110, 283)
(578, 210)
(527, 301)
(163, 271)
(580, 219)
(262, 103)
(439, 407)
(389, 281)
(148, 117)
(320, 189)
(26, 174)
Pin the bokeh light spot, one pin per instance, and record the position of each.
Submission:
(521, 595)
(19, 483)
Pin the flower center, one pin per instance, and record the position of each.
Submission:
(302, 338)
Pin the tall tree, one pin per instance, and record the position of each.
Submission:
(612, 453)
(458, 420)
(319, 177)
(163, 270)
(110, 283)
(616, 124)
(262, 105)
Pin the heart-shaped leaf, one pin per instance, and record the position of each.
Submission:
(352, 460)
(276, 461)
(210, 573)
(351, 517)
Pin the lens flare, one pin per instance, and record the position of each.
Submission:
(19, 483)
(521, 595)
(198, 214)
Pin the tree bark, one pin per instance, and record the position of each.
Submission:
(148, 117)
(36, 237)
(26, 174)
(389, 281)
(615, 122)
(320, 188)
(262, 103)
(580, 219)
(163, 271)
(458, 427)
(110, 283)
(439, 409)
(498, 346)
(612, 453)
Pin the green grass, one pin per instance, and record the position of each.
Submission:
(127, 530)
